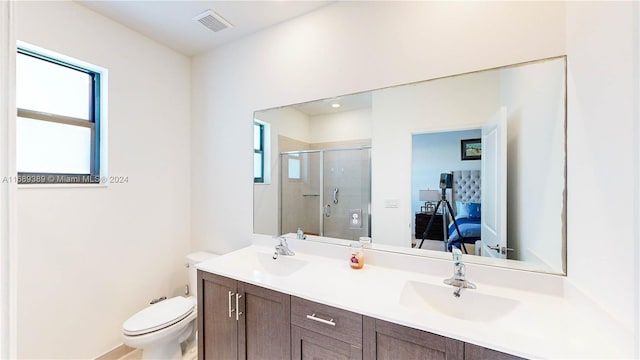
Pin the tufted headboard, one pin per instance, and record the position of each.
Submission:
(466, 186)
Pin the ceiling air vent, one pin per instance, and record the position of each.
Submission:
(212, 21)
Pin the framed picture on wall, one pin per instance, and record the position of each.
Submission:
(471, 149)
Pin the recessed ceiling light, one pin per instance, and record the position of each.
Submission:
(335, 105)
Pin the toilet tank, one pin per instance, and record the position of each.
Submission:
(193, 259)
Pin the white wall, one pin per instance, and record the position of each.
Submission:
(88, 258)
(459, 102)
(535, 100)
(288, 122)
(342, 126)
(600, 177)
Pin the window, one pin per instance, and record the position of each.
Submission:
(294, 167)
(261, 152)
(258, 152)
(58, 124)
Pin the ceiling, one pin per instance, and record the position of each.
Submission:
(171, 22)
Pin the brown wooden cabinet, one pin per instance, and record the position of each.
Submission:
(307, 344)
(241, 321)
(217, 330)
(384, 340)
(320, 331)
(264, 333)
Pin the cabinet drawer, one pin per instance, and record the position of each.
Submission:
(336, 323)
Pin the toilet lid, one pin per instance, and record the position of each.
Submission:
(158, 316)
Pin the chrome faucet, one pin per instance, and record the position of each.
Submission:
(458, 279)
(282, 248)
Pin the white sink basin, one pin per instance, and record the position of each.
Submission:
(282, 266)
(471, 305)
(263, 263)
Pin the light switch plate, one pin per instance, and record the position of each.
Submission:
(391, 203)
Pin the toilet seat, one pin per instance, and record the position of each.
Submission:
(158, 316)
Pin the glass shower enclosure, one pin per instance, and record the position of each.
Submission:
(326, 192)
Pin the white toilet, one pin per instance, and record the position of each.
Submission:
(159, 329)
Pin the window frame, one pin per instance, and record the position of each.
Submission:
(260, 180)
(93, 123)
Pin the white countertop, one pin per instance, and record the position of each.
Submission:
(543, 325)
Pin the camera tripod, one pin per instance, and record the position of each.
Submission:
(445, 206)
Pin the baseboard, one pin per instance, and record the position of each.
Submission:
(116, 353)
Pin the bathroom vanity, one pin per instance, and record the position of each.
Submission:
(314, 305)
(244, 321)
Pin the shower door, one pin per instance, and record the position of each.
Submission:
(326, 192)
(346, 194)
(300, 192)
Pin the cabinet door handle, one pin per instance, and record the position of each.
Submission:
(230, 308)
(326, 322)
(238, 312)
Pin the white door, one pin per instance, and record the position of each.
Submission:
(494, 186)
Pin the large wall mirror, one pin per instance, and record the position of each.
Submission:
(475, 161)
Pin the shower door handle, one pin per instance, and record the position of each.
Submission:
(327, 211)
